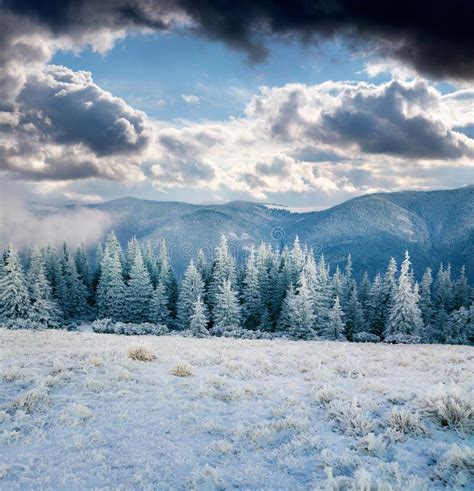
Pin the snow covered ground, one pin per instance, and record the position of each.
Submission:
(76, 412)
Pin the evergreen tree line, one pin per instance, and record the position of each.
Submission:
(285, 291)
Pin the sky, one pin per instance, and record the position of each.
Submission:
(299, 103)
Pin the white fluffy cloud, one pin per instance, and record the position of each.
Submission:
(335, 137)
(190, 99)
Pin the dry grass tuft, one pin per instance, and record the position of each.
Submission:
(326, 394)
(404, 421)
(81, 412)
(450, 407)
(94, 361)
(456, 466)
(14, 374)
(351, 418)
(30, 401)
(182, 370)
(141, 353)
(373, 444)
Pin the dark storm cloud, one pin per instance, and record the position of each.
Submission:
(434, 36)
(377, 123)
(67, 107)
(402, 119)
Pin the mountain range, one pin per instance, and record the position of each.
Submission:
(434, 226)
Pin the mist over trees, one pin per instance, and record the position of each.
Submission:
(288, 292)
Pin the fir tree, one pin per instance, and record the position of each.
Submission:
(14, 297)
(112, 247)
(300, 315)
(462, 292)
(277, 285)
(405, 315)
(83, 268)
(199, 320)
(76, 292)
(296, 261)
(203, 267)
(223, 269)
(2, 265)
(425, 296)
(347, 283)
(151, 263)
(336, 326)
(132, 249)
(167, 278)
(266, 324)
(252, 308)
(337, 284)
(42, 309)
(55, 276)
(364, 293)
(443, 289)
(227, 309)
(389, 287)
(111, 287)
(354, 315)
(457, 329)
(99, 253)
(320, 292)
(470, 326)
(437, 330)
(139, 291)
(284, 321)
(159, 312)
(376, 307)
(192, 288)
(65, 255)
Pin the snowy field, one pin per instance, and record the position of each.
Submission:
(77, 412)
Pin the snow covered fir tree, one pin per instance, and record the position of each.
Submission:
(274, 293)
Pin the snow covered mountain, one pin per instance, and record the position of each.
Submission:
(434, 226)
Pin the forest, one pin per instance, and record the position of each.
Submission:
(287, 293)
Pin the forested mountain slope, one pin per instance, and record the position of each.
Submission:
(434, 226)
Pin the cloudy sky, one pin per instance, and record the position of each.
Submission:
(303, 103)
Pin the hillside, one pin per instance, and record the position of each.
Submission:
(434, 226)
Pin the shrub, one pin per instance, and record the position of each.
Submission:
(365, 337)
(107, 326)
(28, 324)
(244, 334)
(140, 353)
(402, 339)
(103, 325)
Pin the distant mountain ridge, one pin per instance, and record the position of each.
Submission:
(434, 226)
